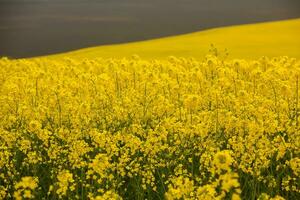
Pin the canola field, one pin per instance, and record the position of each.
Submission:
(211, 128)
(247, 41)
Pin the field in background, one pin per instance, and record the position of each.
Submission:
(30, 28)
(245, 41)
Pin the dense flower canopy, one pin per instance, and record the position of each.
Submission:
(135, 129)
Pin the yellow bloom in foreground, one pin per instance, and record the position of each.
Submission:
(295, 165)
(229, 181)
(26, 186)
(223, 160)
(277, 197)
(100, 163)
(27, 182)
(65, 179)
(265, 196)
(3, 192)
(181, 188)
(207, 192)
(109, 195)
(235, 197)
(34, 126)
(28, 194)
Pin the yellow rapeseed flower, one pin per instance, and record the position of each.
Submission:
(223, 160)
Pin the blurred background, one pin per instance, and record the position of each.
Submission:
(38, 27)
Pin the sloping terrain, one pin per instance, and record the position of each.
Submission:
(270, 39)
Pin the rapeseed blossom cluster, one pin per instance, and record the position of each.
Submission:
(149, 129)
(25, 187)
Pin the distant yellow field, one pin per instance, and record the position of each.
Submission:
(281, 38)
